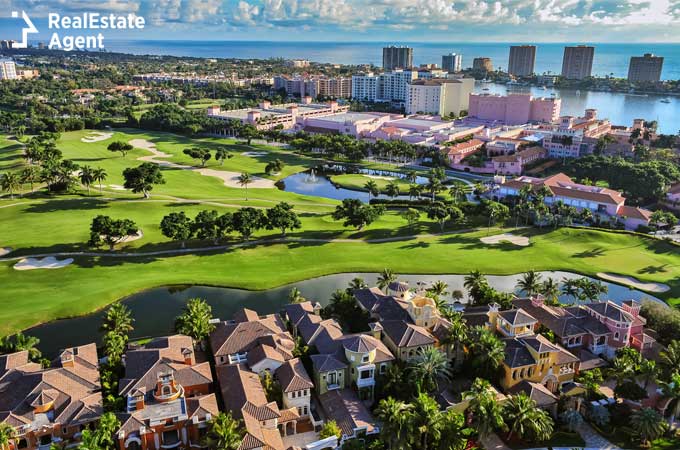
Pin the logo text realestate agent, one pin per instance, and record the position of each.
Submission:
(88, 21)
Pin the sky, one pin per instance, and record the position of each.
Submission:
(372, 20)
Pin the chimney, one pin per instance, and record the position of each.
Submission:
(67, 358)
(188, 354)
(138, 399)
(253, 116)
(376, 329)
(265, 104)
(537, 300)
(316, 307)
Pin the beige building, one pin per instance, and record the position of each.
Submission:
(522, 60)
(482, 64)
(577, 63)
(645, 68)
(439, 96)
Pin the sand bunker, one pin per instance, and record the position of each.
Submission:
(116, 187)
(522, 241)
(132, 237)
(230, 179)
(96, 136)
(380, 177)
(5, 251)
(46, 263)
(634, 282)
(254, 154)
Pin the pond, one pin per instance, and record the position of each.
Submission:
(154, 310)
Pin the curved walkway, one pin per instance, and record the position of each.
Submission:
(281, 240)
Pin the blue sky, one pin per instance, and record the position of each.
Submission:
(377, 20)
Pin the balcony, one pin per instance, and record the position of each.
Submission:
(364, 382)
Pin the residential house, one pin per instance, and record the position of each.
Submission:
(53, 405)
(168, 396)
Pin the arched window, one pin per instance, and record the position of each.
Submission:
(165, 390)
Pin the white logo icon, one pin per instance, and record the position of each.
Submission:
(25, 31)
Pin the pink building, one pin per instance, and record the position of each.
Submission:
(461, 151)
(357, 124)
(514, 109)
(514, 164)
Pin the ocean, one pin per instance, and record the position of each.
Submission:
(610, 59)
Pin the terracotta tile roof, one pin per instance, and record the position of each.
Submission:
(292, 376)
(405, 334)
(360, 343)
(325, 363)
(246, 315)
(537, 392)
(263, 352)
(610, 310)
(295, 312)
(343, 406)
(634, 213)
(229, 338)
(518, 317)
(465, 146)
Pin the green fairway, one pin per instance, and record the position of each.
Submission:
(42, 224)
(358, 182)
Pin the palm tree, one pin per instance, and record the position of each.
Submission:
(224, 432)
(7, 433)
(435, 186)
(395, 417)
(30, 175)
(454, 432)
(244, 180)
(10, 182)
(414, 191)
(671, 390)
(456, 334)
(648, 424)
(647, 371)
(27, 343)
(485, 413)
(429, 367)
(357, 283)
(99, 175)
(86, 177)
(195, 320)
(530, 282)
(411, 176)
(570, 288)
(438, 289)
(670, 358)
(487, 351)
(372, 188)
(525, 420)
(118, 318)
(386, 277)
(456, 191)
(550, 290)
(295, 296)
(392, 189)
(427, 421)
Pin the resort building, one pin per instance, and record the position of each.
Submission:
(514, 109)
(456, 153)
(365, 87)
(452, 63)
(522, 60)
(50, 406)
(314, 86)
(397, 57)
(441, 96)
(168, 396)
(514, 164)
(482, 64)
(603, 202)
(577, 63)
(600, 328)
(645, 68)
(573, 137)
(8, 70)
(357, 124)
(268, 116)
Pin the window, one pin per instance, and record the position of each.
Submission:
(333, 378)
(616, 335)
(383, 368)
(364, 358)
(366, 374)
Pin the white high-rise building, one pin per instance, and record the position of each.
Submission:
(452, 62)
(393, 86)
(365, 87)
(441, 96)
(8, 70)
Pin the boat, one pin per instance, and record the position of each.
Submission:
(665, 100)
(485, 89)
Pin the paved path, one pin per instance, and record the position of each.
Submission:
(594, 440)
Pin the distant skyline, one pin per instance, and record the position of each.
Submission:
(539, 21)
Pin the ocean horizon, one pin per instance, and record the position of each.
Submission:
(610, 58)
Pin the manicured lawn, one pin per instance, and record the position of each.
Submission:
(10, 154)
(36, 296)
(358, 182)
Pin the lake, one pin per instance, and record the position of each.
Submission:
(155, 310)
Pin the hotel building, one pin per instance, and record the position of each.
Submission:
(522, 60)
(441, 96)
(452, 62)
(577, 63)
(514, 109)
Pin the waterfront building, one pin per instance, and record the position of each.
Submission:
(8, 70)
(645, 68)
(314, 86)
(393, 86)
(441, 96)
(482, 64)
(50, 406)
(268, 116)
(522, 60)
(453, 62)
(577, 63)
(365, 87)
(514, 109)
(397, 57)
(168, 396)
(573, 137)
(604, 203)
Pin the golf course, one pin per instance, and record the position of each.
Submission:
(41, 225)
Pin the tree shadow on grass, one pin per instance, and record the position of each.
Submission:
(415, 245)
(649, 270)
(81, 204)
(592, 253)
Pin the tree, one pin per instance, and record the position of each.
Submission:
(118, 146)
(249, 132)
(454, 432)
(357, 214)
(670, 358)
(573, 419)
(106, 427)
(224, 432)
(10, 182)
(487, 351)
(86, 177)
(530, 282)
(282, 217)
(648, 424)
(442, 213)
(330, 428)
(195, 320)
(105, 230)
(178, 227)
(205, 226)
(201, 154)
(372, 189)
(525, 420)
(395, 417)
(429, 367)
(414, 191)
(457, 191)
(486, 414)
(30, 175)
(99, 175)
(114, 346)
(248, 220)
(550, 289)
(427, 422)
(671, 390)
(118, 318)
(295, 296)
(591, 379)
(392, 189)
(221, 154)
(386, 277)
(143, 178)
(7, 434)
(438, 289)
(244, 180)
(411, 215)
(274, 167)
(19, 343)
